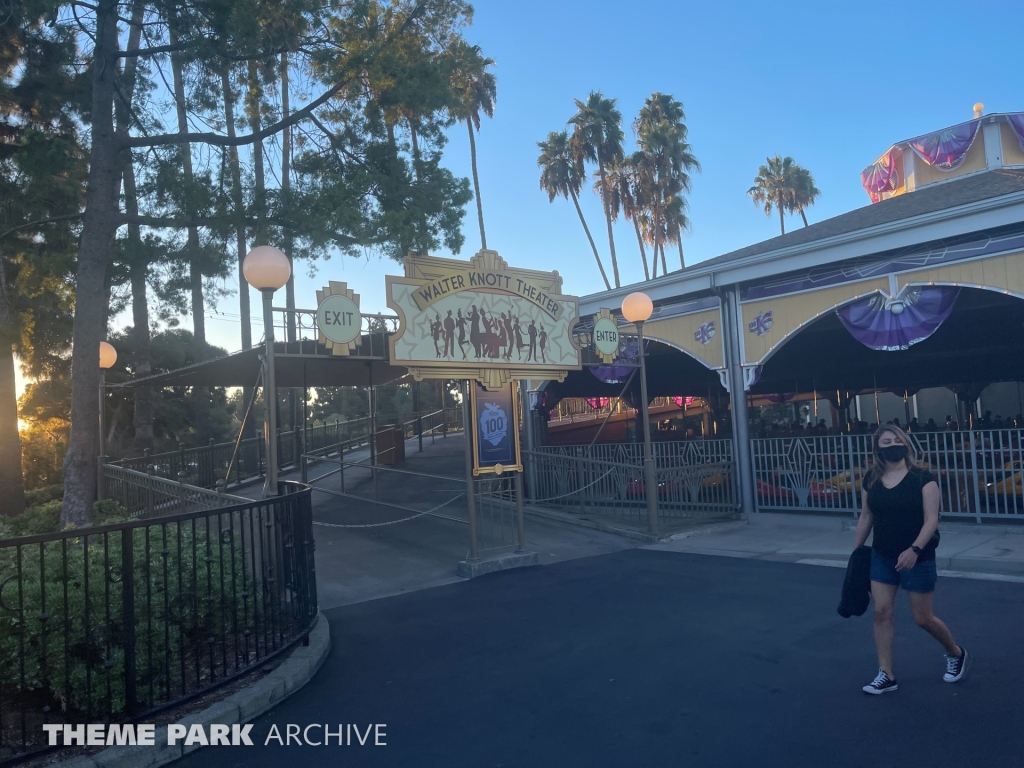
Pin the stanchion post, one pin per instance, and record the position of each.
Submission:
(519, 512)
(467, 416)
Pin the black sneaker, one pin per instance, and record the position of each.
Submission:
(956, 666)
(881, 684)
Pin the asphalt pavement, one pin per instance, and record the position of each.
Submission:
(645, 657)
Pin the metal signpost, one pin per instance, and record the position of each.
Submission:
(489, 325)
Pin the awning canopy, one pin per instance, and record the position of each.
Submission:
(291, 369)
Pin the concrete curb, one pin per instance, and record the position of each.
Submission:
(240, 707)
(470, 569)
(597, 525)
(630, 533)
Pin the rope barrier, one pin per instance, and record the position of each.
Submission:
(390, 522)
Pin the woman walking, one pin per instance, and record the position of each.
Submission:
(901, 503)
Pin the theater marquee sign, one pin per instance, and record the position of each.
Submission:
(482, 320)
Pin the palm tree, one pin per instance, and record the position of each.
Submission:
(676, 222)
(661, 120)
(597, 138)
(773, 186)
(475, 89)
(804, 193)
(625, 193)
(562, 175)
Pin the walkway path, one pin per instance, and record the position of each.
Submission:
(652, 658)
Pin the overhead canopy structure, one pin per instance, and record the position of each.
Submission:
(291, 369)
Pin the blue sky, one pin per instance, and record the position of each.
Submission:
(833, 89)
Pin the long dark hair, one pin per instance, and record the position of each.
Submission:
(878, 467)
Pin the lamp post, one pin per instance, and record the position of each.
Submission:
(108, 356)
(268, 269)
(637, 309)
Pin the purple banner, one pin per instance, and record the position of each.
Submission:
(616, 374)
(947, 148)
(1017, 124)
(881, 176)
(897, 324)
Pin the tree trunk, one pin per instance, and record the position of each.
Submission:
(476, 185)
(200, 395)
(138, 267)
(664, 265)
(643, 251)
(138, 271)
(99, 224)
(586, 229)
(657, 231)
(12, 485)
(608, 219)
(803, 216)
(422, 246)
(240, 242)
(239, 204)
(286, 186)
(782, 223)
(682, 261)
(254, 111)
(289, 243)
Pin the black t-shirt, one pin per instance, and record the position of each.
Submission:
(899, 515)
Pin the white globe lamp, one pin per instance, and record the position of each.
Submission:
(266, 268)
(108, 355)
(637, 307)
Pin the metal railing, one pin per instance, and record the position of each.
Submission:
(694, 479)
(113, 623)
(204, 466)
(577, 408)
(145, 494)
(980, 473)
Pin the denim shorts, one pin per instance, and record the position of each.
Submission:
(920, 578)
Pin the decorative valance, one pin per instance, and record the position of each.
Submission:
(881, 323)
(883, 175)
(617, 374)
(946, 149)
(1017, 125)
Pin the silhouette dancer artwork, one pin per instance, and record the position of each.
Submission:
(460, 323)
(449, 335)
(475, 336)
(531, 331)
(435, 331)
(506, 324)
(517, 333)
(542, 338)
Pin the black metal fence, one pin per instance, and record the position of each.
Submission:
(205, 466)
(115, 622)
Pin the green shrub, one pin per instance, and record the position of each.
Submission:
(189, 589)
(43, 495)
(108, 512)
(42, 518)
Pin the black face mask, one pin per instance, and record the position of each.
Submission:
(893, 453)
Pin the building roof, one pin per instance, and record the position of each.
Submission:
(954, 208)
(934, 197)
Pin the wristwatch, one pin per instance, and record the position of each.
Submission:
(917, 549)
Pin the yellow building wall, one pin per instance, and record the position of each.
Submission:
(1004, 273)
(1012, 153)
(679, 332)
(792, 312)
(975, 161)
